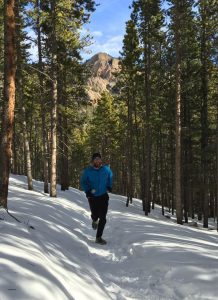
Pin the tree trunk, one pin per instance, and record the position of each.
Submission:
(187, 158)
(27, 152)
(155, 189)
(19, 98)
(140, 157)
(161, 174)
(42, 101)
(172, 169)
(204, 120)
(147, 152)
(65, 165)
(14, 166)
(217, 169)
(53, 175)
(130, 149)
(63, 145)
(63, 126)
(178, 117)
(9, 98)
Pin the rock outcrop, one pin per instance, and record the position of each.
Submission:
(103, 70)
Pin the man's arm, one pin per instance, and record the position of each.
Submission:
(84, 181)
(110, 180)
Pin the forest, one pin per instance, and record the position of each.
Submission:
(158, 128)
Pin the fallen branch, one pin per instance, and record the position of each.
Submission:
(10, 214)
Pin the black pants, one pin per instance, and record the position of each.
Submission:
(99, 206)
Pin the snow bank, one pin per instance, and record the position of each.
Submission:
(146, 257)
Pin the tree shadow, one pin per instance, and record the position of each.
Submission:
(142, 252)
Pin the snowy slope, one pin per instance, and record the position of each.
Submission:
(146, 257)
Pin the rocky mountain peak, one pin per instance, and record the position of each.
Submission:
(103, 69)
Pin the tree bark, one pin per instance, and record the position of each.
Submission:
(204, 120)
(161, 174)
(53, 175)
(63, 126)
(27, 152)
(217, 169)
(178, 116)
(9, 98)
(19, 98)
(43, 106)
(130, 149)
(147, 152)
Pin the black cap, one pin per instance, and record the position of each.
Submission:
(95, 155)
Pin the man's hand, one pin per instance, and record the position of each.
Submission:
(89, 194)
(109, 189)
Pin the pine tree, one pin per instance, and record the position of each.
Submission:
(182, 24)
(63, 42)
(41, 78)
(208, 28)
(9, 98)
(54, 98)
(178, 16)
(130, 62)
(103, 127)
(21, 61)
(149, 19)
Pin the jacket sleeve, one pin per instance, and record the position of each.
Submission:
(84, 181)
(110, 178)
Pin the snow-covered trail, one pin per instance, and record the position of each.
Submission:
(146, 257)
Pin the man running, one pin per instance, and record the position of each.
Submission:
(96, 182)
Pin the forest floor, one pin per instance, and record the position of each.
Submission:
(51, 254)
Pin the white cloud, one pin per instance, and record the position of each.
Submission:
(112, 46)
(101, 43)
(97, 33)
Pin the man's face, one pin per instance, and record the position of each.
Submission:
(97, 162)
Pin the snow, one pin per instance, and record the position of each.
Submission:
(146, 257)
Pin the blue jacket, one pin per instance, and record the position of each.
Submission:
(96, 180)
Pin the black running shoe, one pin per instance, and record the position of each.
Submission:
(100, 241)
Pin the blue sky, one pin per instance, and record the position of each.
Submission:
(107, 26)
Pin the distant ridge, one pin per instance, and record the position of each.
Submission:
(103, 67)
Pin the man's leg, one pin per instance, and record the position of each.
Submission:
(94, 209)
(102, 212)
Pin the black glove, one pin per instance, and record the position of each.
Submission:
(89, 194)
(109, 189)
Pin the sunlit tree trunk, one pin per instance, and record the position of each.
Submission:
(9, 98)
(53, 175)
